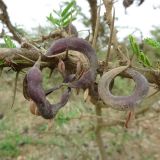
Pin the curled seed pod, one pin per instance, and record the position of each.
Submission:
(71, 29)
(64, 99)
(140, 2)
(123, 102)
(36, 93)
(69, 78)
(80, 45)
(127, 3)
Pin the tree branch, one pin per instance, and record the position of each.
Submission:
(20, 58)
(6, 20)
(93, 10)
(98, 133)
(109, 19)
(23, 58)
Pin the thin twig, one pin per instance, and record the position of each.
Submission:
(110, 40)
(108, 6)
(4, 17)
(98, 134)
(93, 10)
(153, 94)
(15, 88)
(96, 27)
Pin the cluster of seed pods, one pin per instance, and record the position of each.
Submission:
(33, 89)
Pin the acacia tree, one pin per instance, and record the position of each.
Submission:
(79, 71)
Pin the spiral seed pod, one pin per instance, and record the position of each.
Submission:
(80, 45)
(123, 102)
(127, 3)
(34, 91)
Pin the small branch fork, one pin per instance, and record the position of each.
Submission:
(113, 35)
(20, 58)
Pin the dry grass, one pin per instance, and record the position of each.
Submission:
(24, 136)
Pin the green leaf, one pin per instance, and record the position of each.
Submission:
(65, 11)
(142, 58)
(66, 23)
(8, 41)
(134, 45)
(152, 42)
(1, 61)
(131, 41)
(53, 20)
(57, 13)
(148, 62)
(136, 48)
(67, 15)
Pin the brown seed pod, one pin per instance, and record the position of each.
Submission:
(123, 102)
(34, 91)
(71, 30)
(80, 45)
(140, 2)
(127, 3)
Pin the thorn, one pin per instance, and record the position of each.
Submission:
(129, 119)
(37, 64)
(15, 89)
(49, 124)
(50, 73)
(66, 53)
(86, 94)
(77, 91)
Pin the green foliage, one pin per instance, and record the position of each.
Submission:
(64, 16)
(9, 43)
(63, 118)
(8, 148)
(3, 45)
(152, 43)
(119, 89)
(9, 145)
(141, 56)
(2, 61)
(42, 128)
(3, 126)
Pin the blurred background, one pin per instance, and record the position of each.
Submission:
(72, 135)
